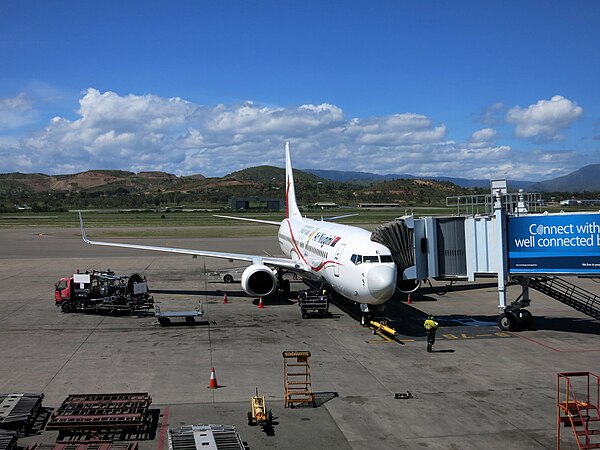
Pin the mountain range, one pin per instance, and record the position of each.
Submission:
(585, 179)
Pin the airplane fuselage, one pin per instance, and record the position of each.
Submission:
(341, 257)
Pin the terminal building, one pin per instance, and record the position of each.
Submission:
(256, 203)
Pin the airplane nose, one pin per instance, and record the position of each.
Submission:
(381, 281)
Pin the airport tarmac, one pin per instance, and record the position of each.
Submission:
(481, 388)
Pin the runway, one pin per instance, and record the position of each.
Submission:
(482, 388)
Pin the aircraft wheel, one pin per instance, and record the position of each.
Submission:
(506, 321)
(364, 320)
(285, 287)
(66, 307)
(250, 420)
(228, 278)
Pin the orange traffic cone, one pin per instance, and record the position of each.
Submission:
(260, 303)
(225, 298)
(408, 302)
(213, 380)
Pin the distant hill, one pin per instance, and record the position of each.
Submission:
(367, 177)
(123, 189)
(272, 175)
(585, 179)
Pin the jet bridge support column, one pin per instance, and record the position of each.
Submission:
(501, 250)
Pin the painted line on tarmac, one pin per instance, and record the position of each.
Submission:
(457, 336)
(163, 430)
(589, 350)
(538, 343)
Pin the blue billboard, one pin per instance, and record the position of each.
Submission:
(554, 244)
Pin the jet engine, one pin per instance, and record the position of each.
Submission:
(259, 280)
(408, 286)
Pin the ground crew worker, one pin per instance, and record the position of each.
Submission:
(431, 327)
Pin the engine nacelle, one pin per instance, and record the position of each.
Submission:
(408, 286)
(259, 280)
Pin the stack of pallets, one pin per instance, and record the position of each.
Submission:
(19, 411)
(96, 413)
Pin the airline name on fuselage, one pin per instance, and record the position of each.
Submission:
(315, 235)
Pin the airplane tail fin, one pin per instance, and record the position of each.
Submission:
(291, 208)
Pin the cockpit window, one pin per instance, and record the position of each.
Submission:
(371, 259)
(356, 259)
(386, 258)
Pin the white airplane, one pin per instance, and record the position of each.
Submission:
(338, 257)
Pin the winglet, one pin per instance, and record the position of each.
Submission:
(291, 208)
(83, 235)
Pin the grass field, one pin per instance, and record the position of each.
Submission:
(114, 223)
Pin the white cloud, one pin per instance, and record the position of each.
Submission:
(482, 138)
(15, 112)
(147, 132)
(544, 120)
(484, 135)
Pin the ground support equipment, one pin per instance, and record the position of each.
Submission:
(296, 378)
(85, 445)
(313, 302)
(201, 437)
(259, 414)
(164, 318)
(382, 327)
(103, 292)
(8, 440)
(93, 414)
(19, 411)
(578, 397)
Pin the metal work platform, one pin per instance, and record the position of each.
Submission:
(209, 437)
(94, 413)
(296, 378)
(8, 440)
(85, 445)
(578, 397)
(18, 411)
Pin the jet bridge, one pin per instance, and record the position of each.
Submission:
(517, 247)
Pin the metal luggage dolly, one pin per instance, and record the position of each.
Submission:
(163, 318)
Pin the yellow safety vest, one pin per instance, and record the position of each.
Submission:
(430, 324)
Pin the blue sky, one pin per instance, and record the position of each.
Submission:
(464, 88)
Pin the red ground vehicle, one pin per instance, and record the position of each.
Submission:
(103, 292)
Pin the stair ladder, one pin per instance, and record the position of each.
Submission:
(568, 293)
(577, 407)
(296, 378)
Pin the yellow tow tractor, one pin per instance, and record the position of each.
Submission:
(259, 414)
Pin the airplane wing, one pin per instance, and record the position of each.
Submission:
(284, 263)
